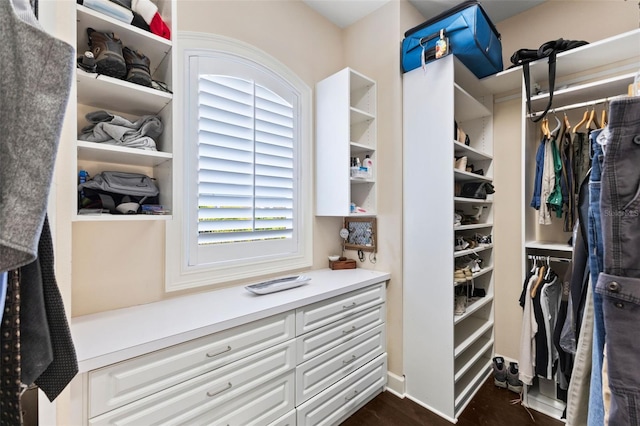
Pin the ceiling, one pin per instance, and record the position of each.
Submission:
(345, 12)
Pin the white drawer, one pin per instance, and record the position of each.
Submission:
(119, 384)
(322, 313)
(321, 340)
(288, 419)
(324, 370)
(333, 405)
(214, 394)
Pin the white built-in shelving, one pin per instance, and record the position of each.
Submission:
(456, 354)
(345, 128)
(128, 100)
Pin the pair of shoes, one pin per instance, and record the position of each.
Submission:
(114, 60)
(460, 163)
(468, 262)
(462, 275)
(506, 377)
(499, 372)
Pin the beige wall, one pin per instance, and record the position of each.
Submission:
(572, 20)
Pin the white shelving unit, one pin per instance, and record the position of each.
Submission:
(457, 352)
(345, 128)
(594, 72)
(131, 101)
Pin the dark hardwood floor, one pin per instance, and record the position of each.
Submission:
(491, 407)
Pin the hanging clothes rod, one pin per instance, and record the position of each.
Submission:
(549, 258)
(579, 105)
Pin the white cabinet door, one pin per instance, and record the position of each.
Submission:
(116, 385)
(214, 393)
(321, 340)
(324, 370)
(319, 314)
(333, 405)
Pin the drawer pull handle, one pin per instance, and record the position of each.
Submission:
(351, 306)
(350, 360)
(229, 385)
(351, 330)
(211, 355)
(349, 398)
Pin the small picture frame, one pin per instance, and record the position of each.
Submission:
(362, 233)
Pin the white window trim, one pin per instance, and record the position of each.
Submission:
(180, 276)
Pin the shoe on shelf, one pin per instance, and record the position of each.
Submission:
(137, 67)
(482, 239)
(460, 244)
(107, 51)
(457, 219)
(460, 306)
(499, 372)
(87, 62)
(460, 163)
(514, 384)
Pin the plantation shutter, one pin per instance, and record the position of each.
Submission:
(245, 162)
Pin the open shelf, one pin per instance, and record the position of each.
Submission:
(467, 332)
(473, 307)
(359, 116)
(464, 200)
(93, 151)
(469, 383)
(465, 361)
(106, 217)
(461, 176)
(473, 226)
(467, 107)
(102, 91)
(542, 245)
(472, 154)
(478, 249)
(358, 148)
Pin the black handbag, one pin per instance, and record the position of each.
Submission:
(478, 190)
(549, 49)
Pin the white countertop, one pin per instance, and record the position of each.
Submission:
(113, 336)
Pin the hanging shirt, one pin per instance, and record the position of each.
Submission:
(555, 197)
(535, 199)
(548, 184)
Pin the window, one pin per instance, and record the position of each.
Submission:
(245, 162)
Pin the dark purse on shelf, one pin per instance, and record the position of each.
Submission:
(547, 50)
(478, 190)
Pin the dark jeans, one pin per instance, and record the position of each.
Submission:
(619, 284)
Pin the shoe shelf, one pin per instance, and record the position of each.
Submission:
(469, 358)
(461, 176)
(475, 275)
(471, 382)
(472, 308)
(473, 226)
(471, 153)
(156, 48)
(104, 92)
(93, 151)
(469, 331)
(463, 200)
(476, 250)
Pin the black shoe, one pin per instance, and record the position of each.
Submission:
(137, 67)
(107, 51)
(87, 62)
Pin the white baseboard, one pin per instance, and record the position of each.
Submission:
(433, 410)
(395, 384)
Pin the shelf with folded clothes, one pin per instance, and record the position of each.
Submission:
(156, 48)
(105, 153)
